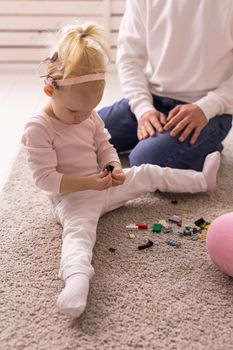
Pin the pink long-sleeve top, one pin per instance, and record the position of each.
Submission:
(55, 149)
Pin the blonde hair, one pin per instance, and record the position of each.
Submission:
(80, 50)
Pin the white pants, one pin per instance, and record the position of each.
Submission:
(79, 212)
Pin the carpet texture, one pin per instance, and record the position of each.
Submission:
(159, 298)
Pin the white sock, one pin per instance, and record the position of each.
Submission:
(210, 169)
(73, 298)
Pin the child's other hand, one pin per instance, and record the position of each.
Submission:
(118, 176)
(99, 182)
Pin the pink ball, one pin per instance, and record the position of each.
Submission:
(219, 242)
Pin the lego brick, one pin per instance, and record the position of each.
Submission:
(156, 228)
(173, 242)
(176, 219)
(199, 222)
(147, 245)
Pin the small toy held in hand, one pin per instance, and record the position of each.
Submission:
(109, 168)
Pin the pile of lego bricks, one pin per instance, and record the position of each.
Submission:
(173, 224)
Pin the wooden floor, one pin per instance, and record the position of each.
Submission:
(21, 94)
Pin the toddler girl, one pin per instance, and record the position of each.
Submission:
(68, 151)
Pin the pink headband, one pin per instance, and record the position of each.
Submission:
(76, 80)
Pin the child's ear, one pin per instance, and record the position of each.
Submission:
(48, 89)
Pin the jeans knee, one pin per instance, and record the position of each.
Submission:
(137, 157)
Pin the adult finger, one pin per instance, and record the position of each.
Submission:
(187, 131)
(195, 135)
(149, 128)
(156, 124)
(175, 121)
(173, 112)
(162, 118)
(142, 132)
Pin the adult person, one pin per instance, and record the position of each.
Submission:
(175, 64)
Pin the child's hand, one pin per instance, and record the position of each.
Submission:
(99, 182)
(118, 176)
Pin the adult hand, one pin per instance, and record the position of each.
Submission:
(189, 118)
(149, 123)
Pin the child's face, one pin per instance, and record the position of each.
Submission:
(74, 104)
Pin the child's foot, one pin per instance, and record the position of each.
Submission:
(73, 298)
(210, 169)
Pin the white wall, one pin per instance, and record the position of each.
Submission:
(27, 26)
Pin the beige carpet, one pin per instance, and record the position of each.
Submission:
(159, 298)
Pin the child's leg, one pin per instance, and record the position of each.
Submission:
(73, 298)
(78, 213)
(149, 178)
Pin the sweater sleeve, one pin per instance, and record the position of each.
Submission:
(105, 151)
(42, 158)
(132, 58)
(218, 101)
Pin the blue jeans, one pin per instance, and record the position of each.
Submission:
(162, 149)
